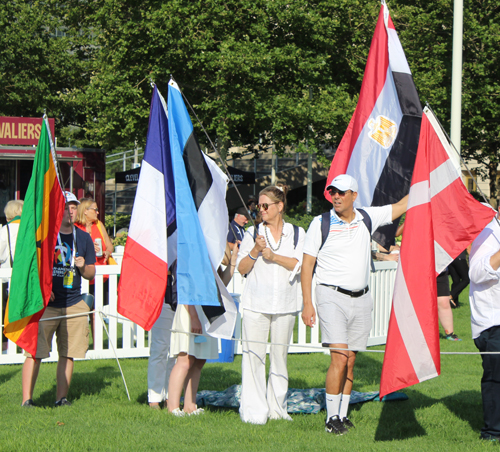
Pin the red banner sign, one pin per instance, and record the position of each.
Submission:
(24, 131)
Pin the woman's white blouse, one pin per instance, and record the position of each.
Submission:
(271, 288)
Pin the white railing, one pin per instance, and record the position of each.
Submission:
(131, 341)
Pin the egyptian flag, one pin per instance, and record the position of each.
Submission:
(199, 238)
(442, 220)
(31, 283)
(380, 144)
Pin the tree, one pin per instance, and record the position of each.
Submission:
(43, 57)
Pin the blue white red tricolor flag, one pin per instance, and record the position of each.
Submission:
(180, 195)
(441, 221)
(379, 146)
(143, 279)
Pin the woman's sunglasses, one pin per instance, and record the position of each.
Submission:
(93, 208)
(265, 206)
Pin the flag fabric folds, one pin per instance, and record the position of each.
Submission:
(143, 279)
(201, 222)
(441, 221)
(31, 282)
(379, 146)
(180, 195)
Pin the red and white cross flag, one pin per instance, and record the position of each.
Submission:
(442, 220)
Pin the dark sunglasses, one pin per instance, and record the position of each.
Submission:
(334, 191)
(265, 206)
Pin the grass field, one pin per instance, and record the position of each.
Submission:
(443, 414)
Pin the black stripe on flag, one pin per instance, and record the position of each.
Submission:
(198, 173)
(395, 179)
(407, 94)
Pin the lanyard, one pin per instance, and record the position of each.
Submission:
(61, 248)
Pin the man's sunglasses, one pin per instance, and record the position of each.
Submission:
(334, 191)
(265, 206)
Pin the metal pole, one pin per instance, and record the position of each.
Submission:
(124, 162)
(309, 168)
(136, 154)
(273, 166)
(456, 75)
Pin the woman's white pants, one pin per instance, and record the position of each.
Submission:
(258, 403)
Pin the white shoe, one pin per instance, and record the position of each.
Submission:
(196, 412)
(178, 412)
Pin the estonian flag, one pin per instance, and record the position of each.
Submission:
(380, 144)
(181, 194)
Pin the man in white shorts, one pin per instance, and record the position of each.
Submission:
(343, 301)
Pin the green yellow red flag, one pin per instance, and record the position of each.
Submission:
(31, 282)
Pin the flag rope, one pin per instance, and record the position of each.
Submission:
(305, 346)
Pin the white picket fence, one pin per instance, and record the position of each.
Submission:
(131, 341)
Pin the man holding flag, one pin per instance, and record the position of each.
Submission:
(342, 254)
(74, 258)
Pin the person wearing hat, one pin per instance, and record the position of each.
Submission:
(237, 227)
(341, 254)
(74, 258)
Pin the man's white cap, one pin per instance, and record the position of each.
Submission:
(344, 182)
(70, 197)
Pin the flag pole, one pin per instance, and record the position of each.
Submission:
(217, 153)
(457, 151)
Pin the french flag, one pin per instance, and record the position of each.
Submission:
(379, 146)
(442, 220)
(143, 279)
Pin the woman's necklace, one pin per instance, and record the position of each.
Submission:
(281, 237)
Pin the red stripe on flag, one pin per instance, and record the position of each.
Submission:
(142, 286)
(373, 83)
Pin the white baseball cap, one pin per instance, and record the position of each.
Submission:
(344, 182)
(70, 197)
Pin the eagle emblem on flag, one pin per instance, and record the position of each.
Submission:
(383, 131)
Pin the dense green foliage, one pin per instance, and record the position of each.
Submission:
(247, 68)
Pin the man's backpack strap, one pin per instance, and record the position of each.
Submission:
(295, 236)
(367, 221)
(325, 227)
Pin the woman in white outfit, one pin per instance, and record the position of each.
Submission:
(192, 351)
(271, 301)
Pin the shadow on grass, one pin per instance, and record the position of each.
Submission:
(4, 378)
(82, 384)
(399, 421)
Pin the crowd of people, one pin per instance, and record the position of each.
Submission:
(279, 261)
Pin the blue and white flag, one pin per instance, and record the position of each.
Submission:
(201, 222)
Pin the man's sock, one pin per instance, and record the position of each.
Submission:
(344, 406)
(332, 404)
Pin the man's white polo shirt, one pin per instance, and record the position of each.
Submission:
(344, 260)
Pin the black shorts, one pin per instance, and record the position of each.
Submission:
(443, 284)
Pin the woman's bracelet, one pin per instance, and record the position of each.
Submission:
(251, 257)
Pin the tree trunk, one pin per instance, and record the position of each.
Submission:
(492, 174)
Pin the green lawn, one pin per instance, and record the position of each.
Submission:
(443, 414)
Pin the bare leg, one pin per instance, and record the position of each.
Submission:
(64, 374)
(337, 372)
(30, 373)
(177, 380)
(192, 383)
(445, 314)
